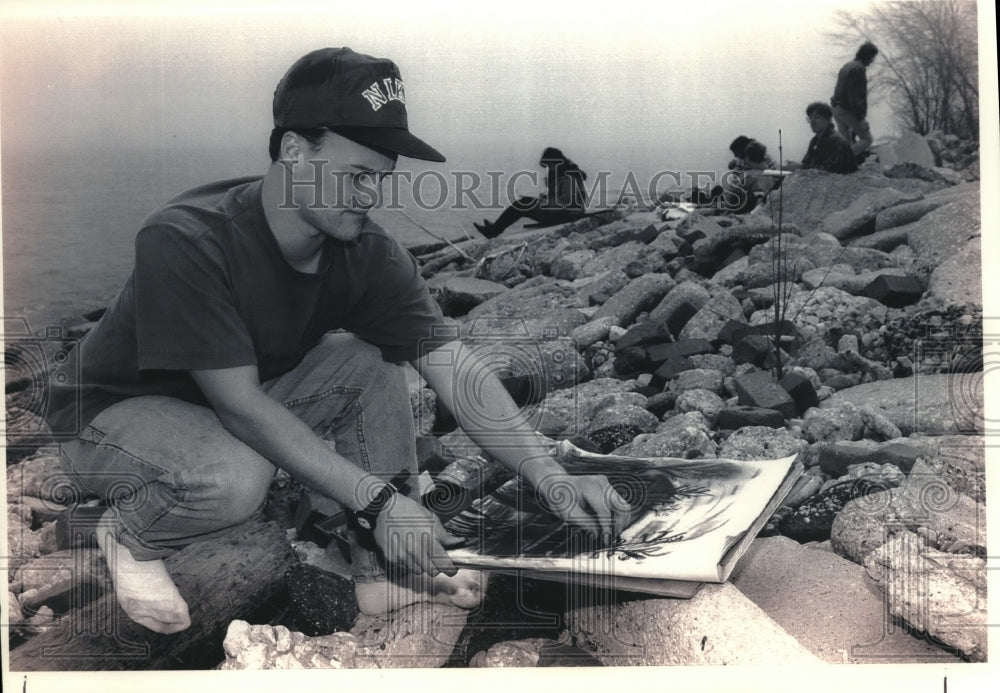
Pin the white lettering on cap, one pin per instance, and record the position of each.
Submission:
(393, 92)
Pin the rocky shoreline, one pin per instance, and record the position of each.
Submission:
(652, 333)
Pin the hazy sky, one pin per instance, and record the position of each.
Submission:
(643, 84)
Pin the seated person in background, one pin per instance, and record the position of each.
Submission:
(827, 149)
(564, 199)
(750, 155)
(738, 188)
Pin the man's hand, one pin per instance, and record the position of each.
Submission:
(411, 536)
(589, 502)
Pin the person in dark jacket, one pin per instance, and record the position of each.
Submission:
(563, 201)
(827, 149)
(850, 100)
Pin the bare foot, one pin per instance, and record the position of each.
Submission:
(144, 588)
(465, 589)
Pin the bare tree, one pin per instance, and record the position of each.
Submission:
(928, 61)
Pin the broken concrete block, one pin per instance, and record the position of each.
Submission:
(759, 390)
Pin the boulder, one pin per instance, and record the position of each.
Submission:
(721, 307)
(570, 411)
(913, 148)
(704, 401)
(938, 593)
(640, 294)
(622, 231)
(859, 216)
(717, 626)
(676, 307)
(459, 295)
(591, 332)
(938, 235)
(836, 422)
(537, 295)
(600, 290)
(932, 404)
(828, 604)
(613, 259)
(623, 414)
(758, 389)
(686, 436)
(572, 265)
(906, 213)
(697, 379)
(809, 196)
(761, 443)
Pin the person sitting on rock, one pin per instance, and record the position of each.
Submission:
(827, 150)
(564, 199)
(749, 155)
(265, 325)
(738, 189)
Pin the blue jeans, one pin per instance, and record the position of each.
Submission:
(173, 475)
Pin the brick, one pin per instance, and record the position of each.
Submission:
(759, 390)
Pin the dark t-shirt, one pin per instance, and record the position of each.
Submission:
(830, 152)
(210, 289)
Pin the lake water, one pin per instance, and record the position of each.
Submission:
(70, 217)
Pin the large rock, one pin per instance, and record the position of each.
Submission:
(809, 196)
(684, 435)
(932, 404)
(761, 443)
(913, 148)
(827, 603)
(571, 265)
(613, 259)
(840, 421)
(642, 293)
(859, 216)
(906, 213)
(938, 593)
(717, 626)
(460, 294)
(940, 233)
(844, 277)
(706, 323)
(570, 411)
(924, 503)
(540, 294)
(686, 293)
(704, 401)
(956, 280)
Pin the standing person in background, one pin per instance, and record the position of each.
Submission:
(564, 199)
(850, 101)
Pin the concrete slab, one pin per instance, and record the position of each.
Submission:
(827, 603)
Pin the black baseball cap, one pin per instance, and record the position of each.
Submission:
(355, 95)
